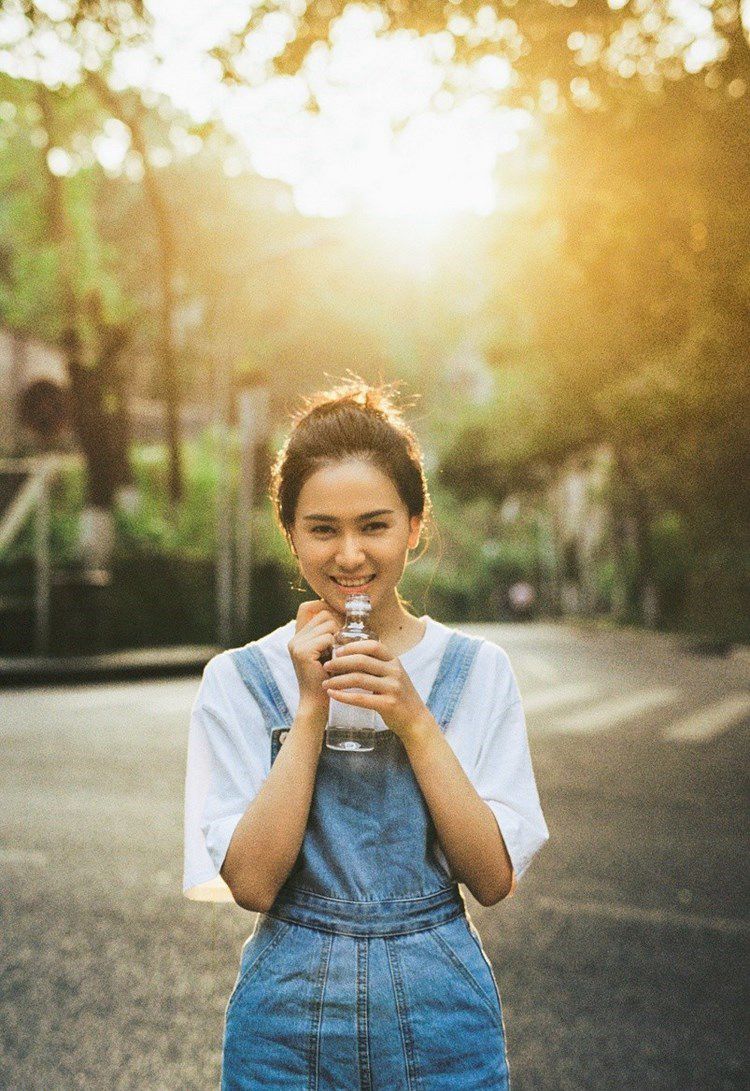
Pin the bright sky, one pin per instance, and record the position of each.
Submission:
(388, 138)
(345, 157)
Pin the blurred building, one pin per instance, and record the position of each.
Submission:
(580, 529)
(33, 387)
(468, 375)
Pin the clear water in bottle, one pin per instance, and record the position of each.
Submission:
(349, 726)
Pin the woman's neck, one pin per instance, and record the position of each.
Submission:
(397, 628)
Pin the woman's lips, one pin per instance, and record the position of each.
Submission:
(352, 589)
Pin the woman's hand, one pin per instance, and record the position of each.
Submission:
(313, 638)
(368, 664)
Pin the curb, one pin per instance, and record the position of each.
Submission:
(162, 662)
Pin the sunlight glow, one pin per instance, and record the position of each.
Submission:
(386, 139)
(379, 122)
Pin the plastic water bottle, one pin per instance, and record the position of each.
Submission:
(351, 727)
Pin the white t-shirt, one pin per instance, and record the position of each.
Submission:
(229, 750)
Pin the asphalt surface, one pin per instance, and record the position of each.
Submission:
(621, 959)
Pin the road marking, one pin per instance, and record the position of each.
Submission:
(559, 695)
(608, 713)
(137, 698)
(537, 666)
(710, 721)
(23, 856)
(727, 925)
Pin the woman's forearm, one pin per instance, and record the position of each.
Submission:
(268, 837)
(465, 825)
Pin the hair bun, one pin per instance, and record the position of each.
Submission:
(356, 393)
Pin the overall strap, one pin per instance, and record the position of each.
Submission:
(455, 664)
(256, 674)
(448, 686)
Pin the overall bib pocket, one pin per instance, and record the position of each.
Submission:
(458, 944)
(268, 933)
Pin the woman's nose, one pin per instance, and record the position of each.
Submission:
(350, 553)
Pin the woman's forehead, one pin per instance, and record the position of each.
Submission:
(346, 488)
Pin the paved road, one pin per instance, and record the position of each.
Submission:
(620, 959)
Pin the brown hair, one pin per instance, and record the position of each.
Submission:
(350, 420)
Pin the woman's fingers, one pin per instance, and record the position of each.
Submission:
(341, 664)
(373, 649)
(374, 682)
(312, 613)
(306, 612)
(313, 646)
(378, 702)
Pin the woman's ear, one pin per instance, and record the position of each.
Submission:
(415, 531)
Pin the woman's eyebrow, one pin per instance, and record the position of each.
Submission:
(367, 515)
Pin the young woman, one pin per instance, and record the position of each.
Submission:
(363, 970)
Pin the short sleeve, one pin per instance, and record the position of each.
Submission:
(228, 758)
(503, 773)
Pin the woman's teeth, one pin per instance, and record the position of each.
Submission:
(362, 583)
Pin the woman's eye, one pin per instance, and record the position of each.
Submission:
(369, 526)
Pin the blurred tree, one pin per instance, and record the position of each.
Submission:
(57, 281)
(635, 292)
(131, 112)
(583, 49)
(93, 31)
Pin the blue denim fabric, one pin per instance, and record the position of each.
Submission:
(367, 973)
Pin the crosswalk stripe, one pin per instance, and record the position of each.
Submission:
(710, 721)
(23, 857)
(557, 696)
(608, 713)
(539, 668)
(645, 915)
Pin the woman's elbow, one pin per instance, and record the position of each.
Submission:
(251, 899)
(497, 893)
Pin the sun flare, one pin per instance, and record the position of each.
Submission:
(386, 136)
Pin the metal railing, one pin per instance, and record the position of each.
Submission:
(24, 489)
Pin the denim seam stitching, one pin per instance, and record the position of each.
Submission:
(497, 991)
(316, 1017)
(467, 974)
(375, 901)
(413, 1083)
(455, 665)
(465, 662)
(271, 700)
(256, 963)
(363, 1030)
(340, 930)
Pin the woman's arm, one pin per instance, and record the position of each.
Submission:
(268, 837)
(465, 825)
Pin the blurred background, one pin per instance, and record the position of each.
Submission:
(533, 215)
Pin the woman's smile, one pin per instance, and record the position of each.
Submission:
(351, 586)
(352, 533)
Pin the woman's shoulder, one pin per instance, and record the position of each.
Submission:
(491, 667)
(488, 648)
(221, 674)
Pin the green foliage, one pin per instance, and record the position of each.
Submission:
(611, 304)
(30, 295)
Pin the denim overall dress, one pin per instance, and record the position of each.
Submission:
(366, 974)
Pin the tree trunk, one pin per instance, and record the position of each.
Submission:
(166, 270)
(98, 407)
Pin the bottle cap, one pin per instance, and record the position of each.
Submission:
(358, 603)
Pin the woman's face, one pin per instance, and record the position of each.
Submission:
(350, 525)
